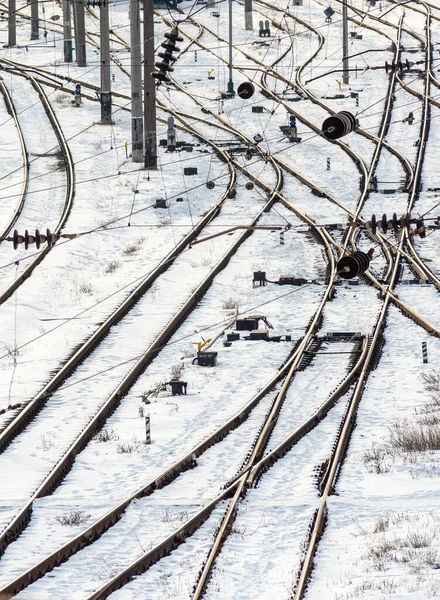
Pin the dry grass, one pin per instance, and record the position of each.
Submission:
(112, 266)
(230, 303)
(135, 446)
(133, 248)
(72, 519)
(176, 371)
(106, 435)
(407, 437)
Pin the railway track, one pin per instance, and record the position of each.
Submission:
(25, 181)
(179, 535)
(336, 459)
(70, 185)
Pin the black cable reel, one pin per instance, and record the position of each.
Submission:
(339, 125)
(164, 66)
(354, 264)
(246, 90)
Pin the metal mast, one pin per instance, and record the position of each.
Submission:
(248, 15)
(34, 20)
(106, 94)
(345, 76)
(137, 128)
(67, 30)
(80, 33)
(230, 82)
(149, 89)
(12, 22)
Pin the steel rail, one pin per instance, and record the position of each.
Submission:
(337, 456)
(305, 93)
(70, 185)
(413, 258)
(379, 141)
(25, 183)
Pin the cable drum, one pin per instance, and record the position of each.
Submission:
(353, 265)
(338, 125)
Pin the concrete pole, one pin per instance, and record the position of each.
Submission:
(106, 89)
(248, 15)
(345, 76)
(80, 33)
(230, 82)
(34, 20)
(67, 30)
(12, 22)
(149, 88)
(137, 126)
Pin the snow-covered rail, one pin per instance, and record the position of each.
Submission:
(25, 181)
(67, 164)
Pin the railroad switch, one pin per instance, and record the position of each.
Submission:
(250, 323)
(206, 359)
(259, 279)
(289, 280)
(258, 334)
(232, 337)
(178, 388)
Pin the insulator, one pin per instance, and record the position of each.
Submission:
(246, 90)
(338, 125)
(210, 185)
(373, 224)
(37, 239)
(51, 238)
(420, 228)
(249, 185)
(17, 239)
(28, 239)
(170, 46)
(395, 223)
(354, 264)
(384, 223)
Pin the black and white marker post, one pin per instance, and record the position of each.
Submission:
(425, 352)
(147, 429)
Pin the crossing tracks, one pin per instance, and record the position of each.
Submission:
(259, 457)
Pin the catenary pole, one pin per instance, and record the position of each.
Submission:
(150, 145)
(34, 20)
(67, 31)
(106, 93)
(248, 24)
(345, 76)
(230, 82)
(137, 126)
(80, 33)
(12, 23)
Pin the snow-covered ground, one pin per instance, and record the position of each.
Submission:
(381, 539)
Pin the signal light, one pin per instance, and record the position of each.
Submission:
(292, 120)
(164, 67)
